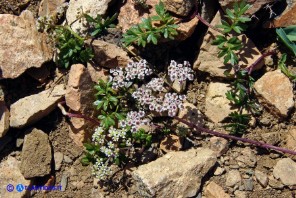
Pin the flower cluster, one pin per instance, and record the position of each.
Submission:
(156, 84)
(134, 70)
(180, 72)
(172, 102)
(118, 79)
(137, 70)
(101, 169)
(135, 120)
(108, 142)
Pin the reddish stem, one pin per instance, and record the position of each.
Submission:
(207, 24)
(250, 68)
(76, 115)
(219, 134)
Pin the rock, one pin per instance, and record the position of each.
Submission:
(11, 174)
(248, 184)
(219, 145)
(186, 29)
(80, 130)
(217, 106)
(97, 73)
(275, 183)
(80, 96)
(171, 143)
(36, 155)
(30, 109)
(219, 171)
(179, 7)
(240, 194)
(256, 5)
(209, 9)
(19, 142)
(178, 86)
(261, 178)
(64, 182)
(129, 15)
(109, 55)
(208, 60)
(4, 119)
(40, 74)
(182, 169)
(275, 91)
(80, 90)
(213, 190)
(291, 139)
(191, 114)
(247, 158)
(49, 7)
(68, 160)
(16, 53)
(285, 170)
(271, 138)
(58, 159)
(92, 7)
(233, 178)
(287, 18)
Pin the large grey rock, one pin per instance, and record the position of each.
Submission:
(176, 174)
(217, 106)
(21, 45)
(36, 155)
(209, 61)
(179, 7)
(109, 55)
(92, 7)
(285, 170)
(275, 92)
(30, 109)
(4, 119)
(11, 174)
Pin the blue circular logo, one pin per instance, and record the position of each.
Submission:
(9, 187)
(19, 187)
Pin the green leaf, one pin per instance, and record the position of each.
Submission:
(291, 32)
(282, 35)
(85, 161)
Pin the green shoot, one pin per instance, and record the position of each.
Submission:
(146, 32)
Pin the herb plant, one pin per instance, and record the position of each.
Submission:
(282, 66)
(241, 93)
(71, 47)
(151, 29)
(141, 3)
(288, 37)
(99, 25)
(229, 44)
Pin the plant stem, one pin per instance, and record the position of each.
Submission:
(207, 24)
(76, 115)
(219, 134)
(250, 68)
